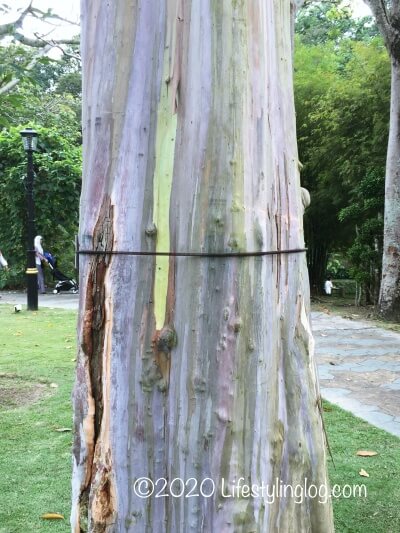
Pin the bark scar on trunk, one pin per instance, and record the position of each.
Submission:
(176, 63)
(102, 240)
(92, 346)
(102, 505)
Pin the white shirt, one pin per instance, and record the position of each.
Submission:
(38, 250)
(328, 286)
(3, 262)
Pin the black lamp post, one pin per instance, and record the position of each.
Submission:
(29, 139)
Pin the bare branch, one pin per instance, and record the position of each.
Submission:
(38, 42)
(68, 54)
(12, 27)
(57, 44)
(47, 15)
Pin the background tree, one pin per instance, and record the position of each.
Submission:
(192, 367)
(387, 15)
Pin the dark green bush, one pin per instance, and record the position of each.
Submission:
(57, 165)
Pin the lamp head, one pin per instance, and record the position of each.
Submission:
(29, 139)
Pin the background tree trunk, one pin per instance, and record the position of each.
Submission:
(389, 297)
(192, 367)
(387, 16)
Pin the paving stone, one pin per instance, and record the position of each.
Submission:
(365, 378)
(393, 386)
(333, 392)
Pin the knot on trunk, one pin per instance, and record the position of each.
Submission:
(164, 341)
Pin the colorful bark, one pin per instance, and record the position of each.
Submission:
(207, 364)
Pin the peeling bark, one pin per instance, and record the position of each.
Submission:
(192, 367)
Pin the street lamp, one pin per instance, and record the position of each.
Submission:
(29, 139)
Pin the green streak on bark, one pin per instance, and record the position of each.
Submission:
(165, 150)
(238, 74)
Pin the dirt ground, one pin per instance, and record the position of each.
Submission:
(344, 307)
(16, 391)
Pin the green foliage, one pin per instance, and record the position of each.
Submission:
(57, 188)
(365, 253)
(59, 76)
(336, 267)
(322, 22)
(49, 93)
(13, 60)
(342, 94)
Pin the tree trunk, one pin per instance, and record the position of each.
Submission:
(317, 262)
(387, 15)
(193, 367)
(389, 298)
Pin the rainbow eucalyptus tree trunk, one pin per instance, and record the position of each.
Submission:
(196, 368)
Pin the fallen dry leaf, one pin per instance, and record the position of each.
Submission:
(54, 385)
(363, 473)
(52, 516)
(63, 430)
(366, 453)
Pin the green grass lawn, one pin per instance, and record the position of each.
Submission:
(37, 352)
(380, 511)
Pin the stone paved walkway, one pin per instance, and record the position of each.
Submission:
(359, 368)
(63, 300)
(358, 363)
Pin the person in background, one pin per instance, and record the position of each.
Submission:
(3, 262)
(328, 286)
(39, 258)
